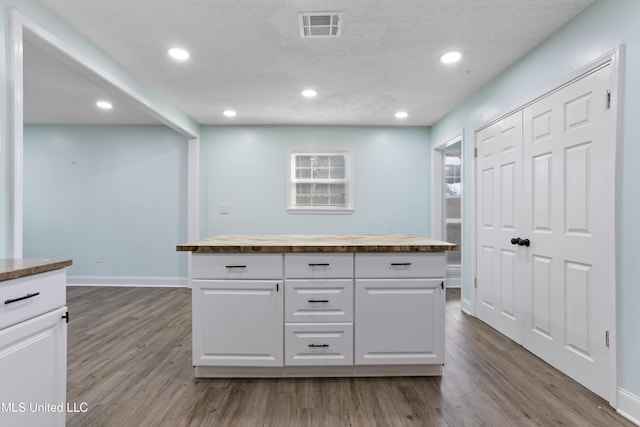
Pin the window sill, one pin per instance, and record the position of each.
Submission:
(332, 211)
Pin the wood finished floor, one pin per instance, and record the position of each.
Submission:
(129, 359)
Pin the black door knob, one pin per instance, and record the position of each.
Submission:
(524, 242)
(515, 240)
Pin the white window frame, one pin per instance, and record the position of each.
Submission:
(347, 208)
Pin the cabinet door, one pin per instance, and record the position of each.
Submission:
(33, 368)
(237, 323)
(399, 322)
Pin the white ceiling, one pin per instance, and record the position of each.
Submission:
(57, 90)
(247, 55)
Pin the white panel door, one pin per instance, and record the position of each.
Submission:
(567, 291)
(499, 201)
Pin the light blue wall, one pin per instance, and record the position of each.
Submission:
(595, 32)
(117, 191)
(246, 168)
(43, 17)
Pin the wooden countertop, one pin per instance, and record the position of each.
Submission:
(11, 268)
(264, 243)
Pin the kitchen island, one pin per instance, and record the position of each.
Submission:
(317, 305)
(33, 341)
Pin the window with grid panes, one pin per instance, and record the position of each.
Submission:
(320, 181)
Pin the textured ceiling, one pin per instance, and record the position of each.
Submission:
(248, 55)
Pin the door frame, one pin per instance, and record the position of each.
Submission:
(614, 59)
(437, 207)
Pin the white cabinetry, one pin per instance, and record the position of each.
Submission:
(400, 314)
(318, 309)
(33, 350)
(318, 314)
(237, 322)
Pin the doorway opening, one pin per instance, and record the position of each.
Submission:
(447, 203)
(452, 211)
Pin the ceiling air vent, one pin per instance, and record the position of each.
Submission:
(320, 24)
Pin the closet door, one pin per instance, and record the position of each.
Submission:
(499, 218)
(566, 289)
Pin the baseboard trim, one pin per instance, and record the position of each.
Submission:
(131, 281)
(629, 406)
(453, 282)
(318, 371)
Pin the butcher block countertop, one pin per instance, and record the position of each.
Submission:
(278, 243)
(14, 268)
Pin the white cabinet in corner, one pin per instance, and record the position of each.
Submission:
(399, 316)
(33, 350)
(237, 322)
(33, 368)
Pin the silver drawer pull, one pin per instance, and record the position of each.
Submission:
(318, 345)
(400, 264)
(235, 266)
(318, 300)
(325, 264)
(27, 296)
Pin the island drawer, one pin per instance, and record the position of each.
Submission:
(30, 296)
(400, 265)
(236, 266)
(318, 300)
(318, 265)
(315, 344)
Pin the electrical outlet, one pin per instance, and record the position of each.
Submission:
(99, 258)
(224, 208)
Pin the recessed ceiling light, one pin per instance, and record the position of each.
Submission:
(178, 54)
(309, 93)
(229, 113)
(402, 115)
(451, 57)
(104, 105)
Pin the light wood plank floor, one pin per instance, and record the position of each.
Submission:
(129, 360)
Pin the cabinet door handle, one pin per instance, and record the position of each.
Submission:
(318, 345)
(235, 266)
(400, 264)
(318, 300)
(322, 264)
(27, 296)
